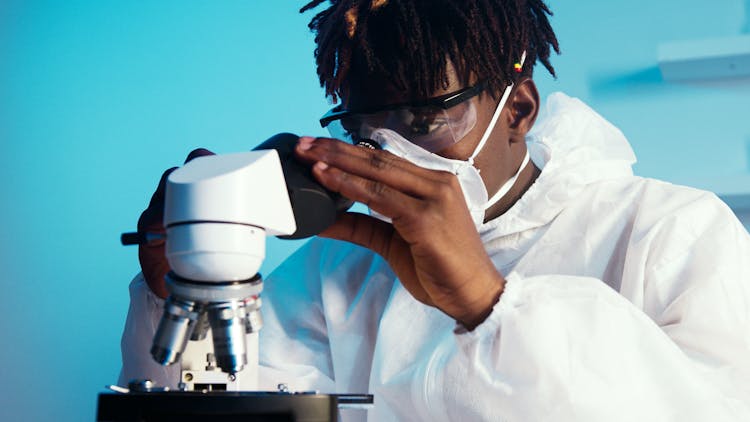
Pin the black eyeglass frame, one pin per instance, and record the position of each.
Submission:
(443, 102)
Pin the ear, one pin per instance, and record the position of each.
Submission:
(524, 107)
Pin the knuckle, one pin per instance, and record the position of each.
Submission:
(450, 179)
(447, 185)
(340, 180)
(380, 161)
(376, 189)
(426, 211)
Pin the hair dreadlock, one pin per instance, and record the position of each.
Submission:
(408, 41)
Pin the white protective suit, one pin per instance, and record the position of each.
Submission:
(627, 299)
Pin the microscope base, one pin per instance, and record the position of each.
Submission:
(223, 406)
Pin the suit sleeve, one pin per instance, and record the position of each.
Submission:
(144, 314)
(573, 349)
(294, 343)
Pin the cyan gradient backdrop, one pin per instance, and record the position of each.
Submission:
(97, 98)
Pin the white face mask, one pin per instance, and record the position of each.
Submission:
(472, 185)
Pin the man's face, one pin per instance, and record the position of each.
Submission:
(505, 148)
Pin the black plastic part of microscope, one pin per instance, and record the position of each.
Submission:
(315, 207)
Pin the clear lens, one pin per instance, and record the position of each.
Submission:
(431, 128)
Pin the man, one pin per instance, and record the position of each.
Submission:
(487, 285)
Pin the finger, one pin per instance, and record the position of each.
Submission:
(303, 144)
(381, 238)
(377, 195)
(374, 164)
(151, 255)
(336, 152)
(362, 230)
(155, 267)
(151, 218)
(154, 213)
(199, 152)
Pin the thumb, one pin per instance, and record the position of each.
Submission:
(381, 238)
(363, 230)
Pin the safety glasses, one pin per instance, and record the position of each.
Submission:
(433, 124)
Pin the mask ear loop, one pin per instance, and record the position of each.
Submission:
(491, 126)
(509, 184)
(498, 110)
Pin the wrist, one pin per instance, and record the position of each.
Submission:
(484, 300)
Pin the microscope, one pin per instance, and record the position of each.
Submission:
(218, 211)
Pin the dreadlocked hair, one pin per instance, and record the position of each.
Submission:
(408, 41)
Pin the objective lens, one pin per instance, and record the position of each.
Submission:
(228, 321)
(174, 331)
(254, 319)
(201, 328)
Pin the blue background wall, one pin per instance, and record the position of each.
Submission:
(97, 98)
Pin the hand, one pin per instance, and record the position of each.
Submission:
(153, 260)
(432, 245)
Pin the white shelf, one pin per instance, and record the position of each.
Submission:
(705, 59)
